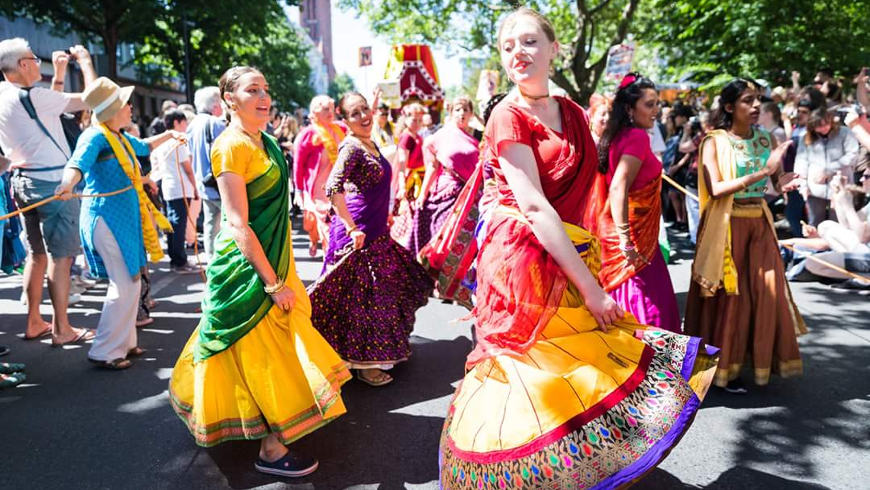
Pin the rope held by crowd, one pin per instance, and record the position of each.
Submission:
(52, 198)
(786, 245)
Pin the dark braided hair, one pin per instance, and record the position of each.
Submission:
(720, 118)
(620, 114)
(490, 105)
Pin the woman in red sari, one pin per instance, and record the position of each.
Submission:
(563, 390)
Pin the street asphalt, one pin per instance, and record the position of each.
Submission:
(74, 426)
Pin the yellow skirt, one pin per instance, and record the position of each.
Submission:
(581, 409)
(282, 377)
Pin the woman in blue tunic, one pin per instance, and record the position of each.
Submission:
(116, 229)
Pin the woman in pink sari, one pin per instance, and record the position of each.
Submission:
(450, 156)
(316, 150)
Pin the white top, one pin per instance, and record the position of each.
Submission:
(22, 140)
(657, 141)
(165, 168)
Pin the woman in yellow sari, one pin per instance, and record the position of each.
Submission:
(563, 390)
(255, 368)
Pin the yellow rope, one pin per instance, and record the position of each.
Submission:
(52, 198)
(828, 264)
(679, 187)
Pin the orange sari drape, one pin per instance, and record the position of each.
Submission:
(644, 214)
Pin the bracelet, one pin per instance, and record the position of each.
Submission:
(627, 248)
(270, 290)
(57, 82)
(352, 229)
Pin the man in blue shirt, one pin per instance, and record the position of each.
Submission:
(201, 132)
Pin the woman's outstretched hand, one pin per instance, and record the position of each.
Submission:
(603, 308)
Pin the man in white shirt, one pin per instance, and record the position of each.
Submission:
(39, 150)
(201, 133)
(178, 187)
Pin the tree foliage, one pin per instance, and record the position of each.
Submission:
(342, 84)
(222, 33)
(761, 38)
(105, 21)
(586, 29)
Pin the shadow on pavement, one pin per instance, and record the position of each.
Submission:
(388, 437)
(737, 477)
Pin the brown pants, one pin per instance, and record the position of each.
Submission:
(760, 321)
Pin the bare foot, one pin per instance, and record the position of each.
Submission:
(374, 377)
(36, 329)
(73, 335)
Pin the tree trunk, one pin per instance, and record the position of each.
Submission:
(110, 43)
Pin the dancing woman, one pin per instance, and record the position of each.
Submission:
(562, 390)
(255, 368)
(316, 148)
(116, 230)
(365, 303)
(450, 156)
(633, 270)
(739, 299)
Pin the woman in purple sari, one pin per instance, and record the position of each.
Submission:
(365, 300)
(450, 156)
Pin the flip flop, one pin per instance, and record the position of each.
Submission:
(83, 335)
(10, 380)
(113, 365)
(379, 380)
(44, 333)
(136, 352)
(11, 367)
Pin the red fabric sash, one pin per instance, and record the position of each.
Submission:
(644, 212)
(519, 284)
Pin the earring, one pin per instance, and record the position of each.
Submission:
(631, 118)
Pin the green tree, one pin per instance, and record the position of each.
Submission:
(712, 40)
(105, 21)
(586, 28)
(342, 84)
(219, 40)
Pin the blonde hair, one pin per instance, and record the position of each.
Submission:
(319, 102)
(462, 100)
(413, 108)
(542, 22)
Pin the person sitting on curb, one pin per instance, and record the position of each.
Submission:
(845, 243)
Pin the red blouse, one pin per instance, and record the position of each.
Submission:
(519, 284)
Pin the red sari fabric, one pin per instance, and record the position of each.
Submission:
(644, 212)
(519, 285)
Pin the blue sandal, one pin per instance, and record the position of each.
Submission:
(291, 464)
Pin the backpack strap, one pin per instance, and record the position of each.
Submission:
(24, 97)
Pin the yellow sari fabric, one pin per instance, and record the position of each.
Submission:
(147, 209)
(580, 408)
(281, 377)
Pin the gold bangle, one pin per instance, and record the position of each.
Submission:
(270, 290)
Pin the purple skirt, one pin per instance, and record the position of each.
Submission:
(649, 296)
(365, 307)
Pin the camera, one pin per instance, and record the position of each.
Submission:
(843, 110)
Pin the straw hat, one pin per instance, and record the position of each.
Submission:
(106, 98)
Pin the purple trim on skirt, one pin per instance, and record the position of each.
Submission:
(649, 296)
(654, 455)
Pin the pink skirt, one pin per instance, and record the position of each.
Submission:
(649, 296)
